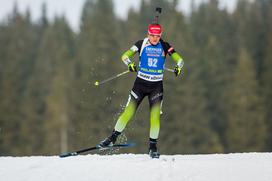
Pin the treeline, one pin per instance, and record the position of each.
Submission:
(221, 104)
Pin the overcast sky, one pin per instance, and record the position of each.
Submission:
(72, 8)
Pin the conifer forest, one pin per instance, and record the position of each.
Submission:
(222, 103)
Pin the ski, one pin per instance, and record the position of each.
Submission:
(99, 148)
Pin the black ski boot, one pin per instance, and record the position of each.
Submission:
(153, 151)
(110, 140)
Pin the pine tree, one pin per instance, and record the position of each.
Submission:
(58, 101)
(3, 42)
(48, 97)
(19, 53)
(251, 20)
(97, 58)
(266, 84)
(246, 128)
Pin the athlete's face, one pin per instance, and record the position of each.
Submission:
(154, 39)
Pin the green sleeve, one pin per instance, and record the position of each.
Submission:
(178, 59)
(128, 54)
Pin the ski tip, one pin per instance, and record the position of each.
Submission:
(67, 154)
(64, 155)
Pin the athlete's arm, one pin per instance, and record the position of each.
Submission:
(131, 52)
(127, 55)
(168, 49)
(178, 59)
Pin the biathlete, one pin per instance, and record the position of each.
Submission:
(149, 82)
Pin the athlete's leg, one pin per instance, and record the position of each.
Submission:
(134, 101)
(131, 107)
(135, 98)
(155, 102)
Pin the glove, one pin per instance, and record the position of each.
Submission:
(177, 70)
(132, 67)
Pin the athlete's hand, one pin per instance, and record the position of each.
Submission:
(177, 70)
(132, 67)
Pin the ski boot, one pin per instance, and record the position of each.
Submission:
(153, 151)
(109, 141)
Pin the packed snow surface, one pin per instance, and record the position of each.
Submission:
(139, 167)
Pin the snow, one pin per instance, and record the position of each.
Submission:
(139, 167)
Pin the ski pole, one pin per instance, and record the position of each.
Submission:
(169, 70)
(97, 83)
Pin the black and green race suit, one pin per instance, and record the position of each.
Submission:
(149, 82)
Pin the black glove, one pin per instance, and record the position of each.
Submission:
(177, 70)
(132, 67)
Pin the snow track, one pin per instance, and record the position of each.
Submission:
(139, 167)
